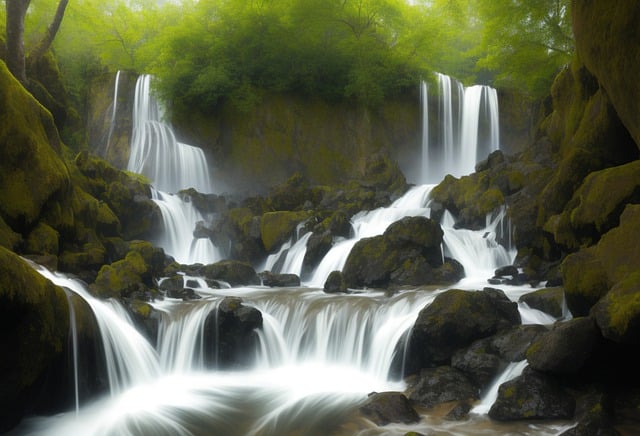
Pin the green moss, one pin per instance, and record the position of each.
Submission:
(43, 240)
(618, 248)
(585, 280)
(8, 238)
(277, 227)
(31, 172)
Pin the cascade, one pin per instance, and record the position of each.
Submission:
(171, 166)
(465, 130)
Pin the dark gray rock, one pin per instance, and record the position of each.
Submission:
(389, 407)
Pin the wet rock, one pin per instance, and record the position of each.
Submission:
(408, 253)
(441, 385)
(594, 413)
(121, 278)
(512, 344)
(335, 283)
(459, 413)
(566, 348)
(618, 313)
(532, 395)
(230, 338)
(456, 319)
(34, 317)
(389, 407)
(234, 272)
(547, 300)
(480, 362)
(276, 228)
(279, 280)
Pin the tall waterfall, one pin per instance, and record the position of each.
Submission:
(155, 152)
(171, 166)
(463, 130)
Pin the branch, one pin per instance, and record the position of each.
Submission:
(46, 41)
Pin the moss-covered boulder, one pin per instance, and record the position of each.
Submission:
(590, 273)
(239, 229)
(31, 171)
(618, 312)
(34, 316)
(8, 238)
(335, 283)
(610, 48)
(43, 239)
(454, 320)
(277, 228)
(122, 278)
(407, 253)
(567, 348)
(532, 395)
(547, 300)
(235, 273)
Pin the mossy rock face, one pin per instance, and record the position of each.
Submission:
(599, 42)
(43, 240)
(277, 227)
(291, 195)
(335, 283)
(442, 385)
(121, 278)
(239, 229)
(8, 238)
(532, 396)
(34, 317)
(456, 319)
(618, 312)
(566, 349)
(31, 172)
(618, 248)
(585, 280)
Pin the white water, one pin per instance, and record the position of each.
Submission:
(179, 218)
(465, 130)
(171, 166)
(155, 151)
(512, 371)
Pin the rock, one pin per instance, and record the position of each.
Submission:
(512, 344)
(547, 300)
(532, 395)
(335, 283)
(31, 171)
(441, 385)
(618, 312)
(277, 228)
(459, 413)
(146, 318)
(121, 278)
(480, 362)
(389, 407)
(233, 272)
(43, 239)
(279, 280)
(585, 280)
(34, 316)
(454, 320)
(599, 42)
(594, 414)
(566, 348)
(230, 339)
(407, 253)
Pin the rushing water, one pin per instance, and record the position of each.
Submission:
(318, 355)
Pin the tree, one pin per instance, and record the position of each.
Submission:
(16, 11)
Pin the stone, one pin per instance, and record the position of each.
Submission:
(389, 407)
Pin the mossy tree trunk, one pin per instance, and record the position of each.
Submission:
(49, 36)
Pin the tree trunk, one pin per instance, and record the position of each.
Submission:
(49, 36)
(16, 11)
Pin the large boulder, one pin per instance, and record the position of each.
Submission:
(532, 396)
(454, 320)
(567, 348)
(233, 272)
(230, 338)
(407, 253)
(547, 300)
(34, 317)
(618, 312)
(277, 227)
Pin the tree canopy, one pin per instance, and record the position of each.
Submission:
(208, 51)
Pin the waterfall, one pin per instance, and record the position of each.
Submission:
(179, 218)
(171, 166)
(155, 152)
(465, 130)
(372, 223)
